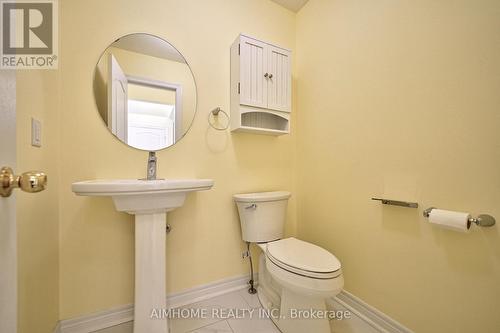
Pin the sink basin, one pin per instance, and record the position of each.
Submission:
(136, 196)
(149, 201)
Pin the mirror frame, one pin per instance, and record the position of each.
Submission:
(95, 98)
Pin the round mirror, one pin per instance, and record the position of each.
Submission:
(145, 92)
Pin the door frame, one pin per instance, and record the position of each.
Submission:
(8, 228)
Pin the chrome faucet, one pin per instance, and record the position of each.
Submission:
(151, 172)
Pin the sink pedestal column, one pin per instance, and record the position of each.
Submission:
(150, 290)
(149, 201)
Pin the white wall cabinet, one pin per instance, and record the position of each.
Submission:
(261, 87)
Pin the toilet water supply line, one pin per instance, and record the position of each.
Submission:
(248, 254)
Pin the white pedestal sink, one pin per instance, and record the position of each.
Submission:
(149, 201)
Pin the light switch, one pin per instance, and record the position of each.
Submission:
(36, 133)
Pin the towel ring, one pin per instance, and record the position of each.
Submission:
(215, 113)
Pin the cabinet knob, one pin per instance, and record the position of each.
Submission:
(266, 75)
(270, 76)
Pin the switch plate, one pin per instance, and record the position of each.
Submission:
(36, 133)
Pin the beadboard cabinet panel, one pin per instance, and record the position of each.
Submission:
(261, 87)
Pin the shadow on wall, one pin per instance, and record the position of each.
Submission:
(250, 158)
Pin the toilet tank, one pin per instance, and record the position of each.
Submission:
(262, 215)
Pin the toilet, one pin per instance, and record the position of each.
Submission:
(295, 277)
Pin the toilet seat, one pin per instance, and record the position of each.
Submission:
(304, 259)
(302, 282)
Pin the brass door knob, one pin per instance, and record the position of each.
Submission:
(32, 181)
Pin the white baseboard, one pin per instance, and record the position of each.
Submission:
(206, 291)
(119, 315)
(370, 315)
(98, 320)
(123, 314)
(57, 329)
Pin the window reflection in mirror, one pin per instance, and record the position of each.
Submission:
(145, 92)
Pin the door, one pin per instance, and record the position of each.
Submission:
(117, 100)
(253, 70)
(150, 125)
(279, 79)
(33, 181)
(8, 245)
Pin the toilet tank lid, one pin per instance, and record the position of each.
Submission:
(262, 196)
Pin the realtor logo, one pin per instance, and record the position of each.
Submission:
(29, 34)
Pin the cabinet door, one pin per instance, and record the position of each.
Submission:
(253, 67)
(280, 79)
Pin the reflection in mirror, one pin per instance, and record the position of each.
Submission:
(145, 92)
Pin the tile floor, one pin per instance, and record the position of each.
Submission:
(239, 300)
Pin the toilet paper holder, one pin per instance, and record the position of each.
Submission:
(482, 220)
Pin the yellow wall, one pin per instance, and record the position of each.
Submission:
(401, 98)
(37, 214)
(397, 99)
(97, 243)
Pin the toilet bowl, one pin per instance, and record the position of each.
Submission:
(295, 277)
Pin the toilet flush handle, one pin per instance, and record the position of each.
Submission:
(252, 206)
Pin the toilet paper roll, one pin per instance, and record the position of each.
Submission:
(448, 219)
